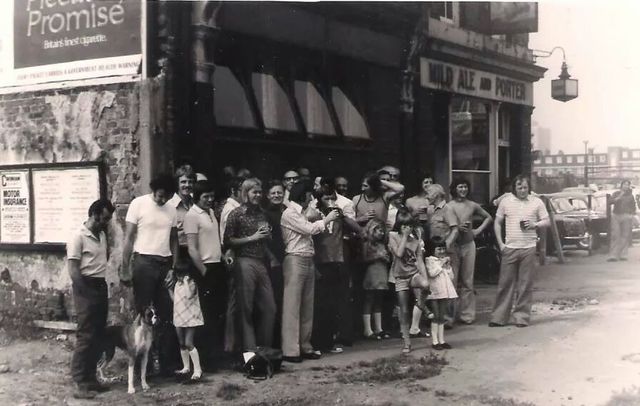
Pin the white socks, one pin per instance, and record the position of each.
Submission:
(184, 354)
(195, 358)
(377, 322)
(434, 333)
(441, 333)
(415, 320)
(366, 321)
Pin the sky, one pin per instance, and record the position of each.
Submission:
(600, 43)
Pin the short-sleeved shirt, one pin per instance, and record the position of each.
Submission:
(464, 211)
(230, 205)
(513, 210)
(405, 266)
(154, 224)
(181, 211)
(441, 220)
(90, 250)
(204, 224)
(243, 222)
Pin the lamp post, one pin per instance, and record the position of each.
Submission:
(586, 164)
(564, 88)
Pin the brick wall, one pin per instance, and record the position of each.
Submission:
(88, 123)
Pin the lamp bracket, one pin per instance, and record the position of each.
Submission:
(540, 53)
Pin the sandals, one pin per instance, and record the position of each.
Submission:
(196, 376)
(182, 371)
(383, 335)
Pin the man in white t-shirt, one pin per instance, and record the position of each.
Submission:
(522, 214)
(151, 234)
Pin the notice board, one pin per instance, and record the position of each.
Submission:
(42, 205)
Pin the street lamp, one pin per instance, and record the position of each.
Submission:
(564, 88)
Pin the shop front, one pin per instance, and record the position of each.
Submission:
(474, 124)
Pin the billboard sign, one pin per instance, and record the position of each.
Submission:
(59, 40)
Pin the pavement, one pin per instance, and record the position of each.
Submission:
(582, 348)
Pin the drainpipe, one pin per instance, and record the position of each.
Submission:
(410, 71)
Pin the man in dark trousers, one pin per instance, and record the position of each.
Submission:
(87, 265)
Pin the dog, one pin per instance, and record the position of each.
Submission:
(135, 339)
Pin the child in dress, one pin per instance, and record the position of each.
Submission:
(440, 276)
(377, 259)
(408, 269)
(187, 315)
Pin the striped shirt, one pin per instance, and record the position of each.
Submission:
(513, 210)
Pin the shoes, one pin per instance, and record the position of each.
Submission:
(96, 386)
(448, 326)
(445, 346)
(467, 322)
(383, 335)
(182, 371)
(337, 349)
(312, 355)
(612, 260)
(623, 259)
(406, 349)
(521, 325)
(436, 346)
(295, 360)
(82, 392)
(492, 324)
(372, 336)
(196, 376)
(420, 334)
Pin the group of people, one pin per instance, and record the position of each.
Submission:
(288, 263)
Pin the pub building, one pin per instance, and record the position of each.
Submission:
(341, 88)
(337, 87)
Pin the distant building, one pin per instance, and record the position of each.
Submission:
(617, 163)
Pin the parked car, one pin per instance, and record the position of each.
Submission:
(579, 220)
(600, 198)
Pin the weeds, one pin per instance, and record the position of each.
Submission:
(498, 401)
(394, 369)
(230, 391)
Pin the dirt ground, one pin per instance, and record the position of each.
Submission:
(583, 348)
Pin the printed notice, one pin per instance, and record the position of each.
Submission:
(61, 200)
(15, 227)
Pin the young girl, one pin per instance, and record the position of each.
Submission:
(187, 315)
(408, 269)
(377, 258)
(440, 276)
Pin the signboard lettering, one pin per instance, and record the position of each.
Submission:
(50, 40)
(15, 226)
(472, 82)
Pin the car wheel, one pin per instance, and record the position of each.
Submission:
(586, 244)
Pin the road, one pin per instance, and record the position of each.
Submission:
(582, 348)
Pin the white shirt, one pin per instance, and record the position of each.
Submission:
(205, 225)
(297, 231)
(90, 250)
(181, 211)
(153, 225)
(513, 210)
(230, 205)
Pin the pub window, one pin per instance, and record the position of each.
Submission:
(351, 121)
(580, 159)
(548, 160)
(625, 154)
(592, 159)
(313, 108)
(602, 158)
(569, 159)
(470, 144)
(442, 10)
(273, 103)
(230, 106)
(635, 154)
